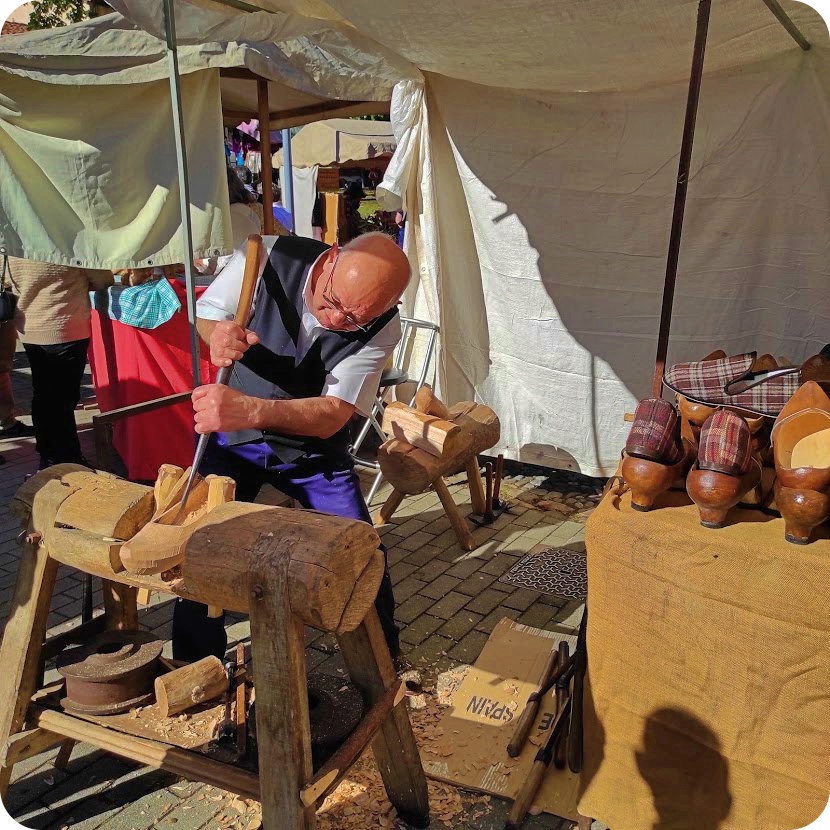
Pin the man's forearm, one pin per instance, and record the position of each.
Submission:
(205, 328)
(315, 417)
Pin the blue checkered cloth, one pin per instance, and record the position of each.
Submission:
(145, 306)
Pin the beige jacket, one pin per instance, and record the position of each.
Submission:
(53, 300)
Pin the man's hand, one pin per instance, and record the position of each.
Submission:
(222, 409)
(228, 342)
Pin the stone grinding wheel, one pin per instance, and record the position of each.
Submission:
(111, 673)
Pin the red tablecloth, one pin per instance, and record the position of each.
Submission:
(130, 366)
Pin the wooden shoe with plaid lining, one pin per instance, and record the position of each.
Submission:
(801, 449)
(656, 456)
(726, 472)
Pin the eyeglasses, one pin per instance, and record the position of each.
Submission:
(334, 303)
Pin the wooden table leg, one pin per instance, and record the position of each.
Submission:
(389, 507)
(585, 823)
(64, 754)
(458, 522)
(120, 606)
(476, 487)
(370, 667)
(22, 641)
(283, 730)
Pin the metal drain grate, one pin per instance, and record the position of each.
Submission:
(557, 571)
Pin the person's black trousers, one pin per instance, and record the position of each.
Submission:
(318, 483)
(57, 372)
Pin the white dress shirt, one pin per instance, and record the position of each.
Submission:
(355, 379)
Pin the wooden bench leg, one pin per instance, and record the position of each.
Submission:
(283, 730)
(389, 507)
(120, 606)
(476, 486)
(585, 823)
(458, 522)
(370, 667)
(64, 754)
(22, 642)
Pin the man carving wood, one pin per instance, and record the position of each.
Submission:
(323, 326)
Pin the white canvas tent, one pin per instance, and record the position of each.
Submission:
(537, 161)
(97, 165)
(340, 141)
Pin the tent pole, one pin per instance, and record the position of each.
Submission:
(184, 183)
(288, 184)
(784, 19)
(265, 153)
(703, 9)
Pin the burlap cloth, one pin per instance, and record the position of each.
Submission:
(708, 702)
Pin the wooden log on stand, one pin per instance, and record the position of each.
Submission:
(179, 690)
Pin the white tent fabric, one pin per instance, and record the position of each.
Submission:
(539, 213)
(339, 141)
(89, 178)
(305, 195)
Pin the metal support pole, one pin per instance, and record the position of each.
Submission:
(684, 166)
(288, 184)
(265, 154)
(784, 19)
(184, 183)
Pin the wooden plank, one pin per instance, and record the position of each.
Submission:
(27, 744)
(265, 154)
(191, 765)
(370, 667)
(283, 729)
(22, 640)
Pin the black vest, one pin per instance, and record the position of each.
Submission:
(268, 369)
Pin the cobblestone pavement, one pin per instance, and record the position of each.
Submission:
(448, 603)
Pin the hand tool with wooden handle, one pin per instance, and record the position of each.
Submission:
(497, 505)
(241, 701)
(225, 729)
(580, 667)
(524, 799)
(560, 751)
(253, 252)
(488, 499)
(552, 672)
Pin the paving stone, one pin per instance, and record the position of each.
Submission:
(499, 565)
(86, 815)
(432, 570)
(407, 588)
(425, 554)
(538, 616)
(486, 601)
(438, 526)
(433, 651)
(475, 584)
(488, 623)
(415, 541)
(469, 648)
(529, 519)
(521, 599)
(449, 605)
(409, 610)
(440, 587)
(459, 625)
(147, 812)
(415, 633)
(465, 568)
(400, 570)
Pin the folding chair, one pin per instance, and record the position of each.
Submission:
(394, 376)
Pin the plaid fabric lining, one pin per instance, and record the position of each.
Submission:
(655, 432)
(725, 444)
(705, 382)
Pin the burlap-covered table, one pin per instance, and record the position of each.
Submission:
(708, 703)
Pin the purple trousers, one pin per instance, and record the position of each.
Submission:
(329, 485)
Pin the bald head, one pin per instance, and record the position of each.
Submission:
(370, 275)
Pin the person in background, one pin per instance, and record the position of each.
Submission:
(53, 321)
(10, 427)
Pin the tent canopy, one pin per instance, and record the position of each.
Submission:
(340, 141)
(90, 178)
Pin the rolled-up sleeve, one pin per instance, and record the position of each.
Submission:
(357, 377)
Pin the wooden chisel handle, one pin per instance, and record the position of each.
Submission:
(497, 482)
(528, 716)
(524, 800)
(250, 277)
(575, 737)
(561, 748)
(488, 498)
